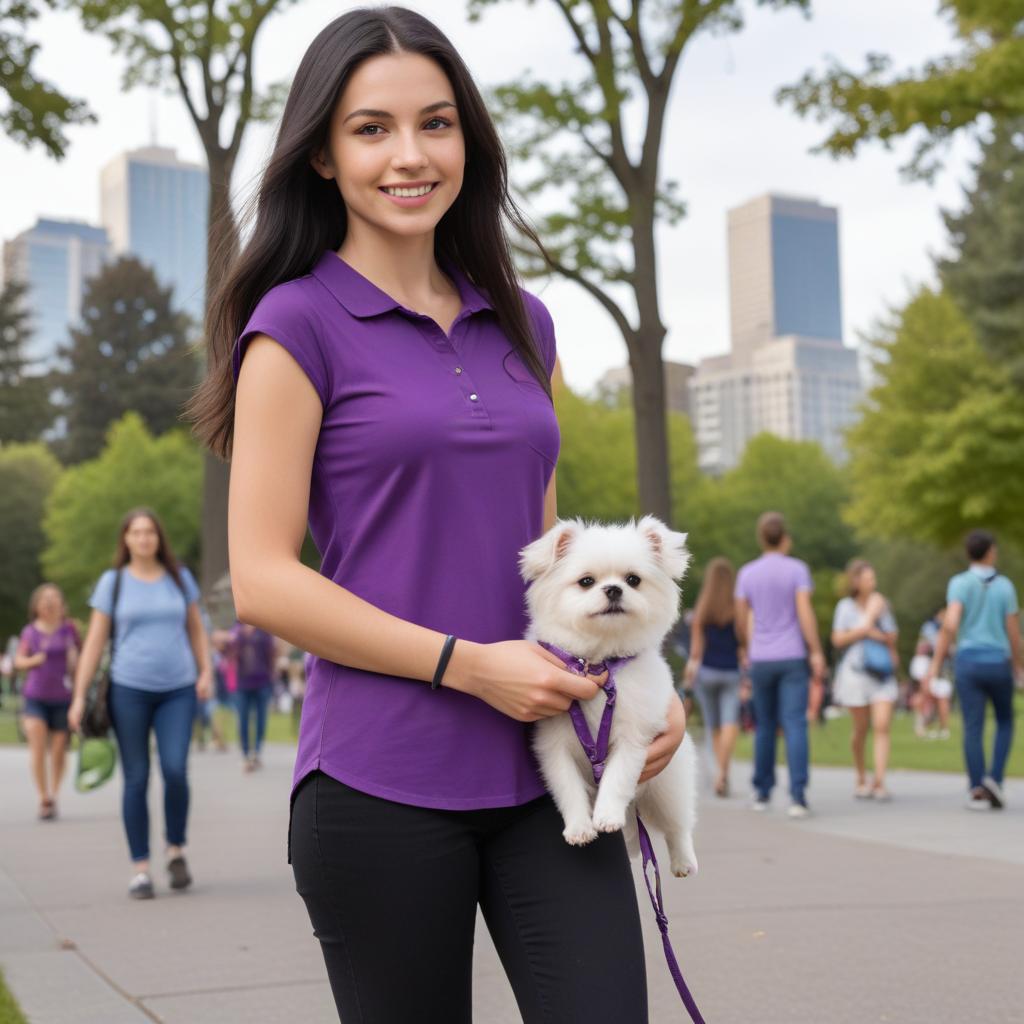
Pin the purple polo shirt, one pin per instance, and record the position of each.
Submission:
(429, 475)
(770, 584)
(47, 681)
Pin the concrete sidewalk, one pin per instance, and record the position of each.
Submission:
(906, 912)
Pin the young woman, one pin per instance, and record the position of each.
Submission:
(864, 615)
(713, 667)
(160, 663)
(47, 650)
(374, 365)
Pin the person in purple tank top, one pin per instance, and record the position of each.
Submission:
(48, 651)
(375, 370)
(773, 608)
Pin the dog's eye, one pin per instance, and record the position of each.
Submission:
(633, 580)
(586, 581)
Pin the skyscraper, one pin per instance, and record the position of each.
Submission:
(788, 371)
(154, 207)
(54, 259)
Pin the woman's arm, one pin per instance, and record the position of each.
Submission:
(200, 644)
(277, 423)
(23, 661)
(696, 655)
(88, 661)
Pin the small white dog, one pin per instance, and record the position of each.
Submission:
(602, 592)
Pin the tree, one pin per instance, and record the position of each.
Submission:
(609, 199)
(86, 506)
(36, 112)
(204, 51)
(25, 409)
(941, 442)
(130, 352)
(985, 272)
(28, 473)
(953, 93)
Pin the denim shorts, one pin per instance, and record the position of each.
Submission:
(53, 712)
(718, 693)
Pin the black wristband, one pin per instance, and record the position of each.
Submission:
(442, 662)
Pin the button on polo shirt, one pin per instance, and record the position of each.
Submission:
(434, 454)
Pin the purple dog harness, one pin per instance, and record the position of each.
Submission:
(597, 754)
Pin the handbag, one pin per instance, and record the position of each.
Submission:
(877, 659)
(96, 714)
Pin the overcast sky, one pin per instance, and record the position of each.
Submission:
(727, 141)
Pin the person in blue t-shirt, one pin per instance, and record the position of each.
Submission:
(160, 665)
(982, 619)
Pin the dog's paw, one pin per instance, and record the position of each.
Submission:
(683, 868)
(579, 835)
(609, 822)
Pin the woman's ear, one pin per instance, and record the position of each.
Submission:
(545, 552)
(320, 163)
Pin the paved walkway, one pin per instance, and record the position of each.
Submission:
(907, 912)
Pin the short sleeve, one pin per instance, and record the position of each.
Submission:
(955, 590)
(191, 588)
(1012, 607)
(803, 577)
(25, 640)
(545, 331)
(887, 621)
(286, 314)
(742, 590)
(841, 616)
(103, 595)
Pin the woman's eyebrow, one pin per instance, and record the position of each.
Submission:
(440, 105)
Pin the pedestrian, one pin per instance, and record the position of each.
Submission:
(785, 652)
(391, 380)
(47, 650)
(206, 710)
(255, 653)
(937, 703)
(982, 620)
(160, 665)
(713, 668)
(865, 676)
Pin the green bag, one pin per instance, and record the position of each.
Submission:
(97, 758)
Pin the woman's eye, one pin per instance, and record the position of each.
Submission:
(365, 129)
(439, 120)
(633, 580)
(586, 581)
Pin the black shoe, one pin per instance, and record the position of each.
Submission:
(178, 870)
(141, 887)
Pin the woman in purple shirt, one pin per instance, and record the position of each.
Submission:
(374, 366)
(47, 650)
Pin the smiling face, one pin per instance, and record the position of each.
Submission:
(142, 538)
(49, 604)
(395, 134)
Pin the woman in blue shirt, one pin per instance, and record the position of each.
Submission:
(160, 663)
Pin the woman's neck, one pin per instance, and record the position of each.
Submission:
(145, 565)
(48, 624)
(404, 268)
(862, 599)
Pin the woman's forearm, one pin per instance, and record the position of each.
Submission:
(88, 662)
(297, 604)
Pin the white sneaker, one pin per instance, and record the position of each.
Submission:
(994, 791)
(978, 800)
(798, 810)
(759, 804)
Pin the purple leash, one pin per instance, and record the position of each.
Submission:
(597, 754)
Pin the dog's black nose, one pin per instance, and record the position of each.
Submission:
(613, 592)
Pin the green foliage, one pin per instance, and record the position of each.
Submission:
(985, 273)
(25, 409)
(28, 473)
(984, 78)
(130, 352)
(86, 506)
(941, 442)
(36, 112)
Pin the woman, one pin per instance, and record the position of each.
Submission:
(391, 381)
(160, 663)
(714, 664)
(864, 615)
(254, 654)
(47, 650)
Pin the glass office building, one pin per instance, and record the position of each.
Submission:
(54, 259)
(154, 207)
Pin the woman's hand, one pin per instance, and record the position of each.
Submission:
(662, 747)
(75, 712)
(690, 672)
(518, 678)
(204, 684)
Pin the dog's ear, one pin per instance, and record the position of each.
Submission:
(669, 547)
(545, 552)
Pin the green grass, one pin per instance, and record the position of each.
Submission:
(830, 745)
(10, 1012)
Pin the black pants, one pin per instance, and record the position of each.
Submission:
(392, 892)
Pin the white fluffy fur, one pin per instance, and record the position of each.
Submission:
(570, 616)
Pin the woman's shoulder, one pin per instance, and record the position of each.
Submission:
(289, 301)
(544, 326)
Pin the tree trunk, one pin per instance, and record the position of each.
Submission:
(221, 248)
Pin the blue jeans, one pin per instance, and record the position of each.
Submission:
(251, 702)
(978, 682)
(780, 696)
(169, 714)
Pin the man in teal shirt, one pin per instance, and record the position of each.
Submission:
(982, 619)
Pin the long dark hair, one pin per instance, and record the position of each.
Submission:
(298, 214)
(164, 554)
(716, 605)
